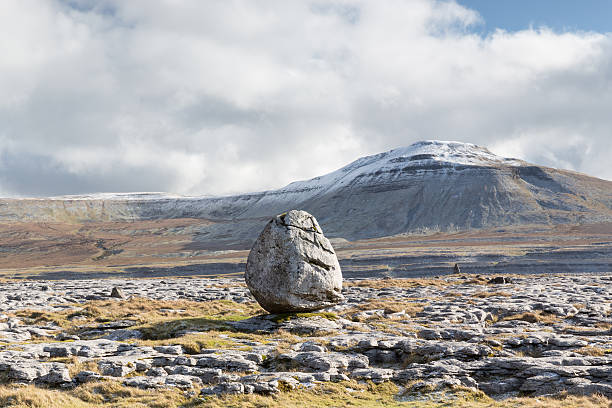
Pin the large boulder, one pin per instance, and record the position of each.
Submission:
(292, 267)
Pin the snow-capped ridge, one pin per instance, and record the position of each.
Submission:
(132, 196)
(417, 156)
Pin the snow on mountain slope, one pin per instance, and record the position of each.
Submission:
(425, 155)
(120, 196)
(421, 155)
(417, 160)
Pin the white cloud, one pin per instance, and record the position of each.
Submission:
(228, 96)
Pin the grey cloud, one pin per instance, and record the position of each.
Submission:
(347, 12)
(228, 96)
(211, 112)
(26, 174)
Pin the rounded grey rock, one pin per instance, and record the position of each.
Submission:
(292, 267)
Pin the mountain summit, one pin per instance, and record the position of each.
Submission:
(417, 158)
(426, 187)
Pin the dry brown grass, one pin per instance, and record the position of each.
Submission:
(593, 351)
(33, 397)
(143, 311)
(579, 306)
(99, 394)
(61, 244)
(385, 395)
(603, 325)
(76, 365)
(477, 280)
(534, 317)
(113, 394)
(227, 285)
(388, 328)
(194, 343)
(407, 283)
(348, 394)
(326, 395)
(198, 325)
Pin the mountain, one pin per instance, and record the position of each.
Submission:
(428, 186)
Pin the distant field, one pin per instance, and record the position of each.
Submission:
(170, 248)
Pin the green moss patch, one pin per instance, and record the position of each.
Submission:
(285, 317)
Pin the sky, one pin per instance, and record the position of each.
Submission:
(559, 15)
(226, 96)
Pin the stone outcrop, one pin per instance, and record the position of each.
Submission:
(292, 267)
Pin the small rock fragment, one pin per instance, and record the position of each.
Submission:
(500, 280)
(117, 292)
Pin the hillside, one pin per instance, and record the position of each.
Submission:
(426, 187)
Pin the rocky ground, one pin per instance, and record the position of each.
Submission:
(207, 340)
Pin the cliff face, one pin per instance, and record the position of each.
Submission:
(428, 186)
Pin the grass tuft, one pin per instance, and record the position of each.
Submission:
(593, 351)
(534, 317)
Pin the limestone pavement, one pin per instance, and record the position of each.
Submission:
(536, 335)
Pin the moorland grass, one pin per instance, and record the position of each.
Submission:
(108, 394)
